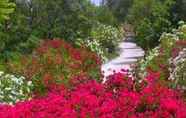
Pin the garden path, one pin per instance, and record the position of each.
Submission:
(129, 53)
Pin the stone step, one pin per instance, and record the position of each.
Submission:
(121, 60)
(110, 69)
(129, 54)
(127, 45)
(132, 50)
(132, 55)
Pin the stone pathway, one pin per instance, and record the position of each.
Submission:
(129, 53)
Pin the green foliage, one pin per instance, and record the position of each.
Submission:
(14, 32)
(168, 58)
(168, 41)
(63, 18)
(36, 20)
(144, 63)
(94, 46)
(119, 8)
(6, 8)
(178, 11)
(150, 18)
(107, 36)
(103, 40)
(105, 16)
(181, 32)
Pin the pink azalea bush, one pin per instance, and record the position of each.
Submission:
(119, 97)
(56, 62)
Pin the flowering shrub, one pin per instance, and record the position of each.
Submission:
(170, 46)
(179, 40)
(106, 36)
(94, 46)
(157, 58)
(14, 89)
(69, 76)
(178, 70)
(181, 32)
(103, 40)
(56, 62)
(143, 63)
(117, 97)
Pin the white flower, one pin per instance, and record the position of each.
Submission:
(181, 22)
(7, 89)
(1, 73)
(14, 88)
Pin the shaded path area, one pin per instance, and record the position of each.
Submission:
(129, 53)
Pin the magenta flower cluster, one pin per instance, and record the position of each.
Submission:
(119, 97)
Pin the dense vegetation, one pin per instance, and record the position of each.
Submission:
(149, 18)
(33, 21)
(5, 9)
(51, 52)
(36, 20)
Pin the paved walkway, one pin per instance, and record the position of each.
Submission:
(129, 53)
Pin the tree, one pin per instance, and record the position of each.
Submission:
(105, 16)
(35, 20)
(6, 8)
(150, 18)
(119, 8)
(178, 11)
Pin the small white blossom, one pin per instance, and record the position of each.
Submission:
(1, 73)
(13, 89)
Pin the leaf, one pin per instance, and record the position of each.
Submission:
(5, 9)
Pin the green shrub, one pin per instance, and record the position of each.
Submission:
(150, 18)
(181, 32)
(103, 40)
(5, 9)
(143, 63)
(107, 36)
(168, 58)
(94, 46)
(178, 73)
(14, 89)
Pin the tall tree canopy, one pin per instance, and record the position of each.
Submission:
(45, 19)
(178, 11)
(119, 8)
(150, 18)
